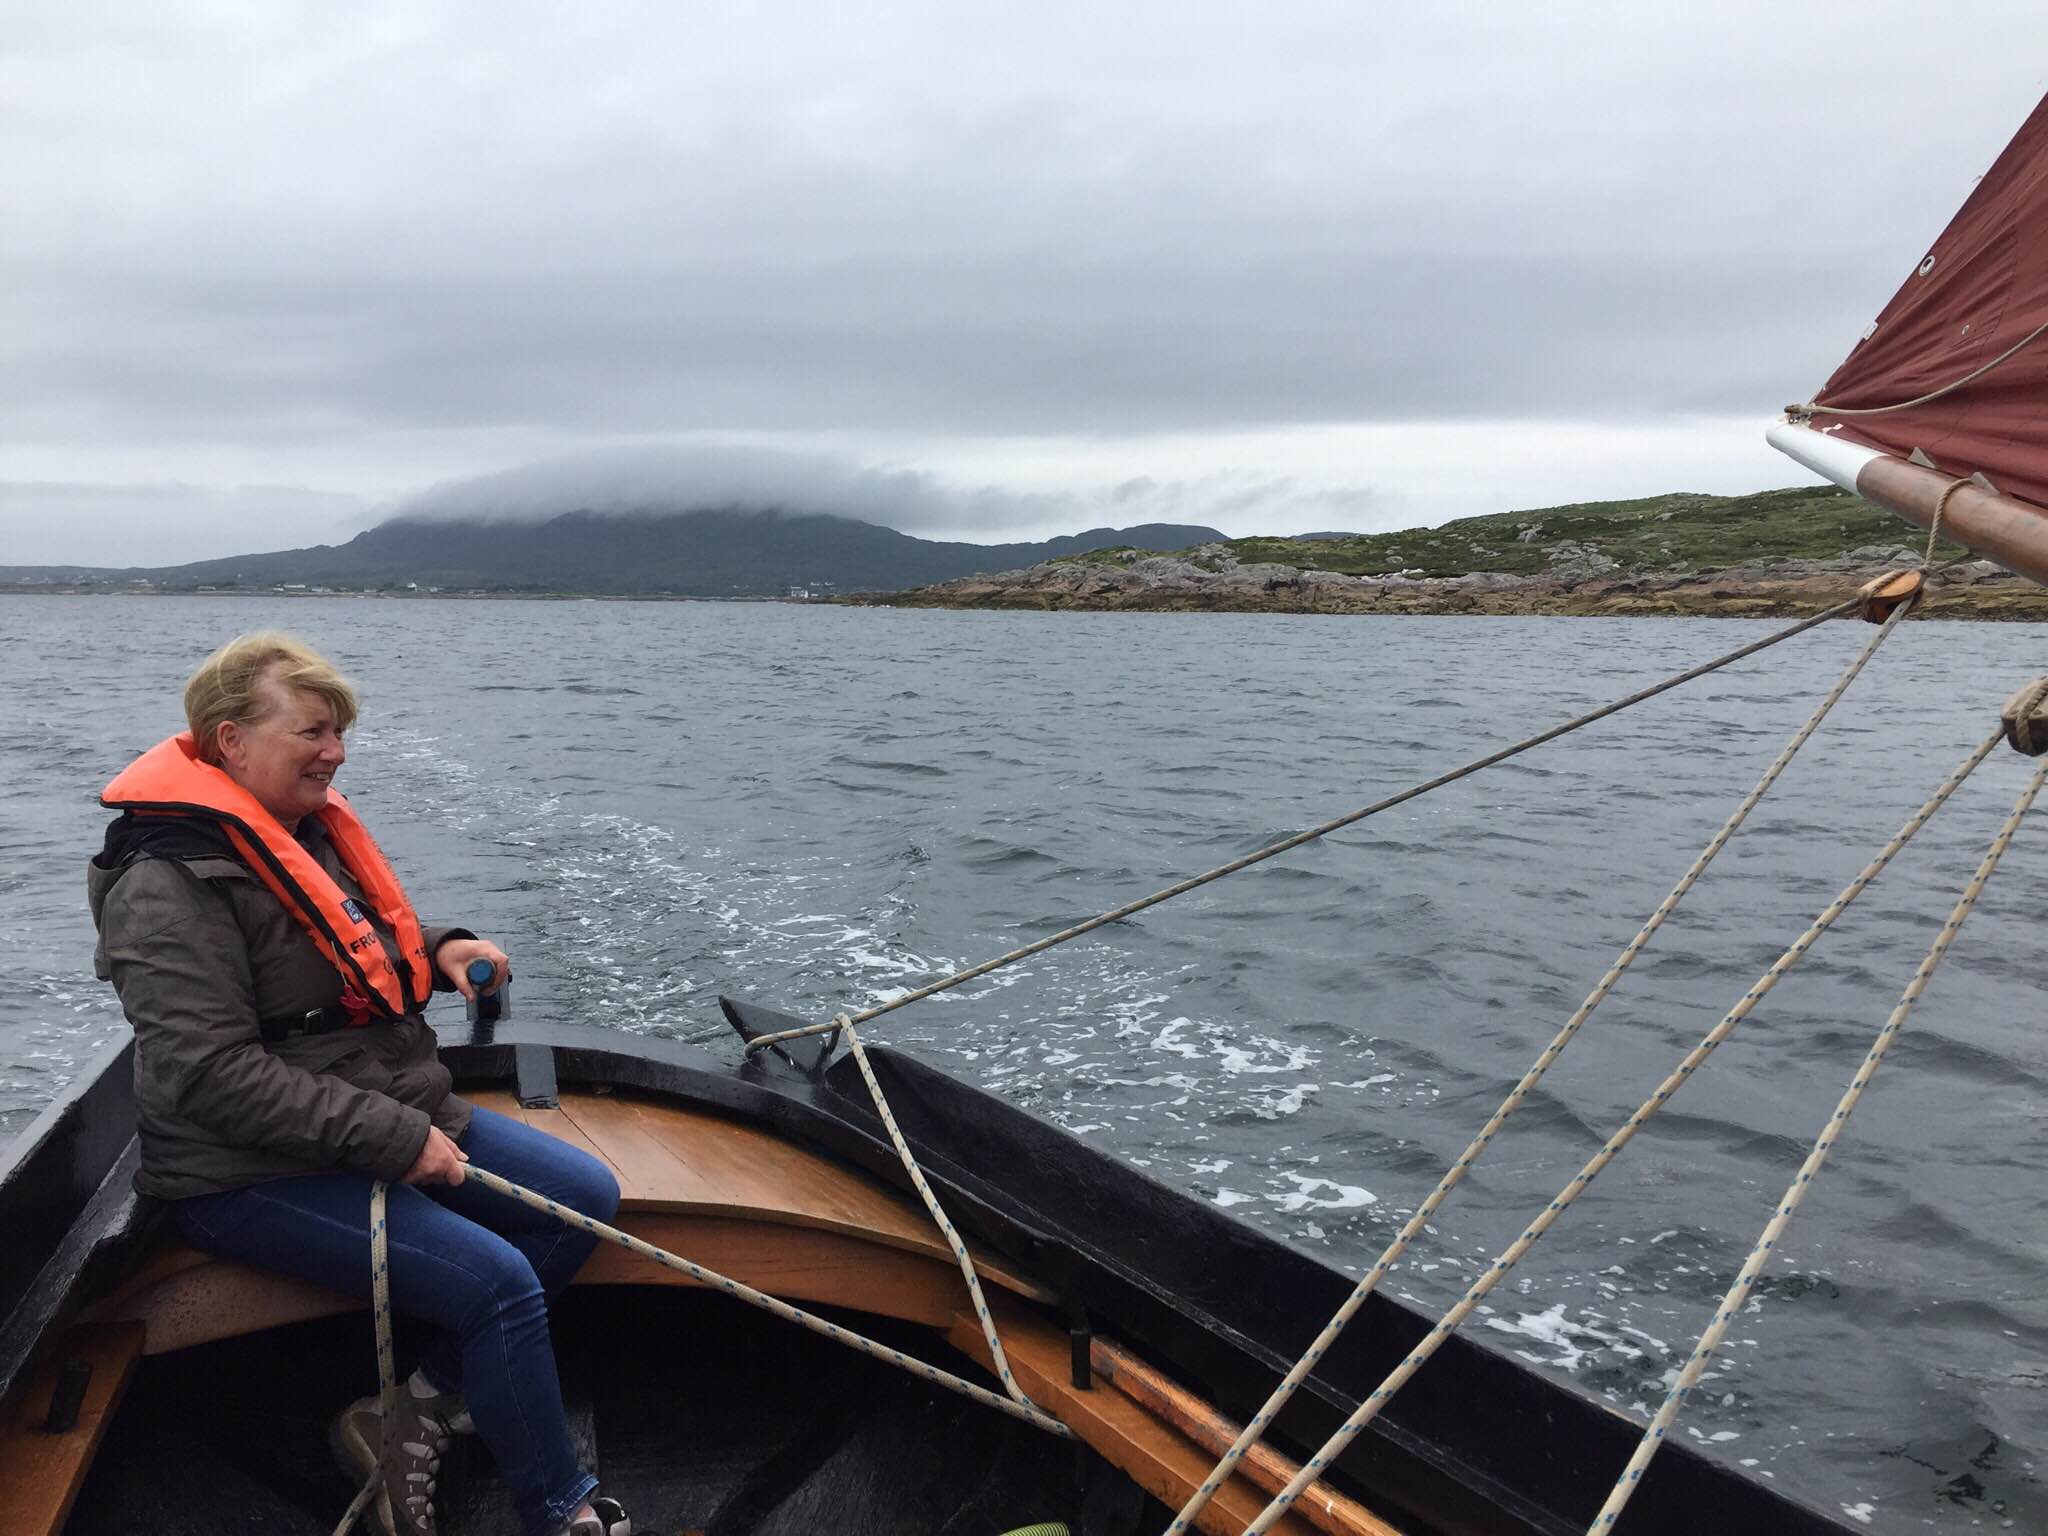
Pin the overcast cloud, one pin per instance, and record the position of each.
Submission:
(980, 271)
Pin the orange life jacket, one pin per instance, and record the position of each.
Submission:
(169, 779)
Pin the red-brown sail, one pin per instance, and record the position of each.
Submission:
(1981, 289)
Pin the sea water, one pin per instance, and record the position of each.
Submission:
(649, 804)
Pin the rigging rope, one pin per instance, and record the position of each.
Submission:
(1256, 1426)
(931, 1204)
(387, 1372)
(713, 1280)
(1448, 1324)
(1760, 1255)
(1466, 770)
(1017, 1405)
(1815, 408)
(1934, 523)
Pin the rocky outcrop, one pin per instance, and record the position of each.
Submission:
(1577, 580)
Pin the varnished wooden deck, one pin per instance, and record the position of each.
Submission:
(688, 1170)
(721, 1192)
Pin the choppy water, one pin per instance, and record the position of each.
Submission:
(652, 803)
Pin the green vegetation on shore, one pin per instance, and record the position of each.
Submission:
(1677, 533)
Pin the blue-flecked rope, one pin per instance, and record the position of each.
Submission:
(1448, 1324)
(1774, 1229)
(1259, 1422)
(741, 1291)
(931, 1204)
(387, 1370)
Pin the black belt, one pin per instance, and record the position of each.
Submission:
(319, 1021)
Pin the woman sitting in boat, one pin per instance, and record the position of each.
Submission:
(274, 974)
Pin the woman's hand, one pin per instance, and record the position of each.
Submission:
(454, 956)
(440, 1161)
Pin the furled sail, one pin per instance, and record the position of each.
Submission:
(1981, 291)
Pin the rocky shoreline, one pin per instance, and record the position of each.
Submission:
(1579, 582)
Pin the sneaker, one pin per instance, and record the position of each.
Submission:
(404, 1503)
(607, 1517)
(450, 1408)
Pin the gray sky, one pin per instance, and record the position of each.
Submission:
(269, 271)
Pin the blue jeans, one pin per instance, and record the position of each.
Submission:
(479, 1265)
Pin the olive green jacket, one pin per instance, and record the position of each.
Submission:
(200, 951)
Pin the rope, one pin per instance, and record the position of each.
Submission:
(387, 1372)
(1815, 408)
(1117, 914)
(931, 1203)
(2021, 707)
(1256, 1427)
(713, 1280)
(1017, 1405)
(1738, 1293)
(1448, 1324)
(1934, 527)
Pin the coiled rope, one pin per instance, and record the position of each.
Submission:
(1448, 1324)
(1271, 850)
(1760, 1255)
(1256, 1426)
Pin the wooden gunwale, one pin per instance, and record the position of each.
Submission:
(1153, 1453)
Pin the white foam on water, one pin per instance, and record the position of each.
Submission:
(1159, 1080)
(630, 884)
(1242, 1058)
(1572, 1342)
(1860, 1513)
(1168, 1039)
(1306, 1195)
(1278, 1106)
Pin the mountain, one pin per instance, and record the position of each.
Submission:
(728, 552)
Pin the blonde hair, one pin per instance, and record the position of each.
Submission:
(229, 685)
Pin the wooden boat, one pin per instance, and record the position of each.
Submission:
(145, 1387)
(150, 1388)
